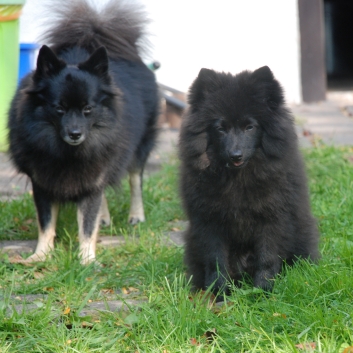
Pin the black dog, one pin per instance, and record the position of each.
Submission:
(85, 117)
(243, 183)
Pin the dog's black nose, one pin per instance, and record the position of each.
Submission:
(75, 135)
(236, 156)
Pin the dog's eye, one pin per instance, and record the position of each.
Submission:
(87, 109)
(249, 128)
(221, 129)
(60, 110)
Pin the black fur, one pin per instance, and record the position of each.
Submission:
(243, 183)
(88, 113)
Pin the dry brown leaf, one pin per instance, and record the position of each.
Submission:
(132, 289)
(207, 298)
(193, 342)
(48, 289)
(66, 311)
(86, 324)
(107, 291)
(348, 350)
(308, 346)
(38, 275)
(283, 316)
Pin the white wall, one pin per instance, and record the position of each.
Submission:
(225, 35)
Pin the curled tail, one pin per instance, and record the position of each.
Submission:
(119, 26)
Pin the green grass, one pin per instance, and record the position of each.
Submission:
(311, 305)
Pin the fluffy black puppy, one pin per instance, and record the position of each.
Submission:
(243, 183)
(85, 117)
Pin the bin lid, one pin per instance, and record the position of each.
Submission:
(12, 2)
(29, 46)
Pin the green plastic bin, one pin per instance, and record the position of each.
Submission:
(10, 11)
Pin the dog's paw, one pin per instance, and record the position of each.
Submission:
(133, 220)
(88, 261)
(36, 257)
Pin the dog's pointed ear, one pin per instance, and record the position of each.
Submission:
(263, 74)
(97, 63)
(270, 86)
(206, 82)
(48, 64)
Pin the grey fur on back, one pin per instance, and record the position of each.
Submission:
(119, 26)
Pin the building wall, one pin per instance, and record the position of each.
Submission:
(225, 35)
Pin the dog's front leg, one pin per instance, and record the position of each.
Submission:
(267, 260)
(137, 213)
(206, 257)
(88, 217)
(47, 213)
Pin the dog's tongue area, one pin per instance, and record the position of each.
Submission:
(237, 164)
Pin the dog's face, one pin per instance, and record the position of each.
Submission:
(235, 142)
(73, 99)
(232, 117)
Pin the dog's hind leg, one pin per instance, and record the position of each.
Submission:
(137, 213)
(104, 212)
(88, 217)
(47, 213)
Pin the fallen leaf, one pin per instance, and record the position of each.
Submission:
(107, 291)
(86, 324)
(38, 275)
(66, 311)
(193, 342)
(309, 346)
(283, 316)
(48, 289)
(348, 350)
(205, 297)
(132, 289)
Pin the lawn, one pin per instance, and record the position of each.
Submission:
(309, 310)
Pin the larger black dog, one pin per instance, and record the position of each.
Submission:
(243, 183)
(85, 117)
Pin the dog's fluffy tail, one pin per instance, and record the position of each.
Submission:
(119, 26)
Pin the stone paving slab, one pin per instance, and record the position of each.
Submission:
(326, 121)
(18, 247)
(31, 302)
